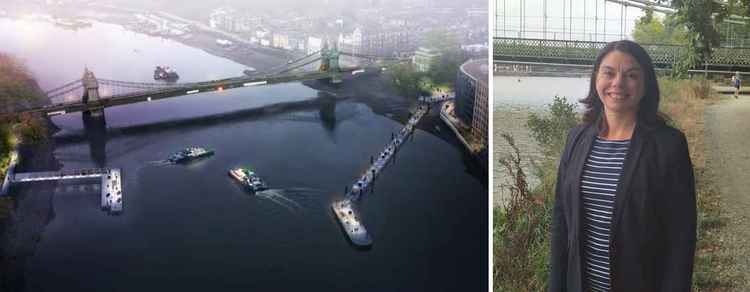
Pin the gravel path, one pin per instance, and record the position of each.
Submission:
(728, 140)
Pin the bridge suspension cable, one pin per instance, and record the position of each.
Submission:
(73, 83)
(282, 68)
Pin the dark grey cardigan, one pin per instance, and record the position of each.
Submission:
(654, 223)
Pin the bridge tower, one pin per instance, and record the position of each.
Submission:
(93, 119)
(91, 93)
(329, 62)
(90, 85)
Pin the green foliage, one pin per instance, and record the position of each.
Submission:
(440, 40)
(444, 68)
(652, 30)
(407, 80)
(686, 60)
(16, 84)
(700, 17)
(32, 129)
(521, 226)
(521, 242)
(550, 130)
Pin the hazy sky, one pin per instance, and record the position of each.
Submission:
(610, 17)
(319, 6)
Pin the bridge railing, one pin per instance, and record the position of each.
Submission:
(585, 52)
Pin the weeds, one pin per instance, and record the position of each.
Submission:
(522, 224)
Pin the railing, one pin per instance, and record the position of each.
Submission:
(585, 52)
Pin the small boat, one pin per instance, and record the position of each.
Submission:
(189, 154)
(165, 73)
(248, 178)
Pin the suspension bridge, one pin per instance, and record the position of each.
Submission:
(91, 95)
(570, 33)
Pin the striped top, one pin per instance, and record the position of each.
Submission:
(601, 175)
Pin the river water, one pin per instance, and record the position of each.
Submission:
(514, 98)
(191, 228)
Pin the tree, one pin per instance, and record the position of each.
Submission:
(444, 68)
(700, 17)
(550, 130)
(16, 84)
(649, 30)
(406, 79)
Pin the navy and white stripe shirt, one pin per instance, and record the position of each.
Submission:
(601, 175)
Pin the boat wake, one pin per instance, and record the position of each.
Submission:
(160, 162)
(277, 196)
(282, 197)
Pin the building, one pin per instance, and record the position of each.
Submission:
(222, 18)
(350, 43)
(281, 40)
(314, 44)
(424, 58)
(386, 41)
(298, 41)
(472, 98)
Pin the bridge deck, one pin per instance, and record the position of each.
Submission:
(58, 175)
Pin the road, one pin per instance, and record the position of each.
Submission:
(728, 138)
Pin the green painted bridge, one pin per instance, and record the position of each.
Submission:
(584, 53)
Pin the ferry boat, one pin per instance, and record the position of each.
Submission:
(188, 154)
(248, 178)
(165, 73)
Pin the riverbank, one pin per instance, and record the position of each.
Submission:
(377, 91)
(200, 37)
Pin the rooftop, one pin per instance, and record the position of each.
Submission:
(477, 69)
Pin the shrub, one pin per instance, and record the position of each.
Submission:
(521, 228)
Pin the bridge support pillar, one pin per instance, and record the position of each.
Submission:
(336, 77)
(91, 94)
(95, 126)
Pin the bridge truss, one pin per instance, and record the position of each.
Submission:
(588, 20)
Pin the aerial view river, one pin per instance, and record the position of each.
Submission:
(192, 228)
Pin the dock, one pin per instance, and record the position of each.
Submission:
(112, 191)
(111, 182)
(353, 227)
(345, 210)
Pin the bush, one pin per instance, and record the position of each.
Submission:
(521, 228)
(550, 130)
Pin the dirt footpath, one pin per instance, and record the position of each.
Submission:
(728, 150)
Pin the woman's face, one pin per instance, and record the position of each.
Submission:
(619, 83)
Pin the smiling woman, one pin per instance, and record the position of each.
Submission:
(624, 217)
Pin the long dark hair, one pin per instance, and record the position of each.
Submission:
(648, 108)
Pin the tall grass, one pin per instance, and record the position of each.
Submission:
(685, 101)
(522, 224)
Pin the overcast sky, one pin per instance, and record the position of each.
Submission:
(316, 6)
(508, 23)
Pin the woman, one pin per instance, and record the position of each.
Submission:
(736, 84)
(625, 216)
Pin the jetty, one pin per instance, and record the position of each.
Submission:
(111, 181)
(345, 209)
